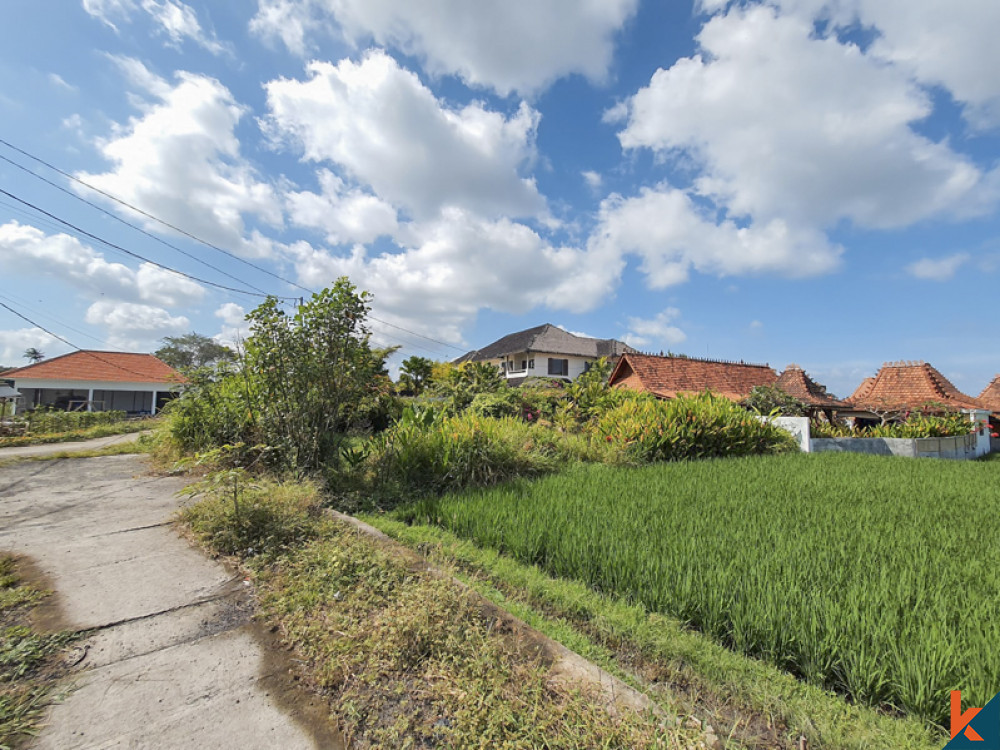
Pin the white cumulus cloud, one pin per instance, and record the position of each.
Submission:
(782, 124)
(29, 252)
(385, 129)
(180, 160)
(517, 45)
(938, 269)
(656, 332)
(346, 215)
(133, 326)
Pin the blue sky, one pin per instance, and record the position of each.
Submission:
(808, 181)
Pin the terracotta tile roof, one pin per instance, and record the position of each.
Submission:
(910, 385)
(668, 376)
(796, 382)
(990, 397)
(113, 367)
(546, 338)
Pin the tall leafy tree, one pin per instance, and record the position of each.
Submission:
(312, 376)
(192, 350)
(35, 355)
(415, 375)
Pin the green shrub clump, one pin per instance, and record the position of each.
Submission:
(428, 453)
(235, 516)
(689, 427)
(43, 421)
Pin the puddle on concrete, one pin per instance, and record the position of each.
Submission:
(277, 678)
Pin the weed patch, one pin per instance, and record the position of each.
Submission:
(29, 661)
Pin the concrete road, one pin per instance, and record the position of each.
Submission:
(173, 660)
(47, 449)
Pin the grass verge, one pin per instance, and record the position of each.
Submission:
(753, 704)
(405, 657)
(142, 445)
(87, 433)
(30, 663)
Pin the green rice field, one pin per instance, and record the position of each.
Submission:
(875, 577)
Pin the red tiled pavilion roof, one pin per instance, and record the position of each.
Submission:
(796, 383)
(668, 376)
(990, 397)
(910, 385)
(116, 367)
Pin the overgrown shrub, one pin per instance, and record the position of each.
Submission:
(770, 400)
(689, 427)
(247, 518)
(301, 384)
(421, 456)
(915, 426)
(42, 420)
(502, 403)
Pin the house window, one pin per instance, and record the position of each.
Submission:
(531, 364)
(558, 366)
(586, 366)
(524, 364)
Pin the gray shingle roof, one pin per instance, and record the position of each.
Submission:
(547, 338)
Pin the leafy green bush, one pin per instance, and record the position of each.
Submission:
(431, 454)
(303, 382)
(686, 427)
(502, 403)
(915, 426)
(49, 420)
(770, 400)
(239, 517)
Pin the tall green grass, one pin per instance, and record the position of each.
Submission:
(875, 577)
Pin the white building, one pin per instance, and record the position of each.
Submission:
(545, 351)
(96, 381)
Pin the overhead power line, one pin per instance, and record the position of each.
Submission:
(91, 352)
(199, 240)
(119, 219)
(121, 249)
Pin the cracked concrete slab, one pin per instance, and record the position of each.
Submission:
(173, 659)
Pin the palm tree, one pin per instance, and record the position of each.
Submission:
(34, 355)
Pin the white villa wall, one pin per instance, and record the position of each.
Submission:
(577, 365)
(960, 447)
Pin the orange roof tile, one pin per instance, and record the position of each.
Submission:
(910, 385)
(796, 383)
(990, 397)
(115, 367)
(668, 376)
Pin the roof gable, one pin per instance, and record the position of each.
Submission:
(796, 383)
(550, 339)
(667, 376)
(910, 385)
(990, 397)
(115, 367)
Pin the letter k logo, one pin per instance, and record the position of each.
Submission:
(960, 721)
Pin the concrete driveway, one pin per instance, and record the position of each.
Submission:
(173, 660)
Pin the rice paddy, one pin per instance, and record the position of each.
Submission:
(875, 577)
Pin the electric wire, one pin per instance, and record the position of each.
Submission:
(24, 305)
(91, 352)
(191, 236)
(119, 219)
(121, 249)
